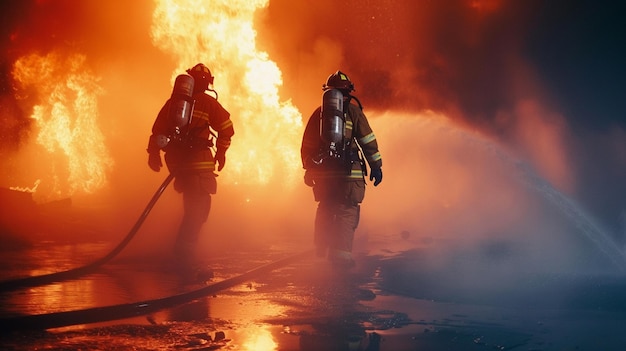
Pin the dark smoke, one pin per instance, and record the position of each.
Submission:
(14, 124)
(478, 62)
(416, 55)
(438, 54)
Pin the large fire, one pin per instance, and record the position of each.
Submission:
(65, 97)
(66, 116)
(221, 34)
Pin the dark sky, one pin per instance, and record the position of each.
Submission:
(579, 47)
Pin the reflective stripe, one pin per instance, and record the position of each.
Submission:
(354, 174)
(225, 125)
(223, 143)
(201, 115)
(210, 165)
(367, 139)
(374, 157)
(348, 125)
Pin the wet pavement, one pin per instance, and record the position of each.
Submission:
(394, 299)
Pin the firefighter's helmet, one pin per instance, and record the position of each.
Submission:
(340, 81)
(202, 77)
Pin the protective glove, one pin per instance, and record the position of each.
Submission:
(376, 175)
(154, 161)
(308, 179)
(220, 159)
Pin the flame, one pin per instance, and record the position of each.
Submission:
(27, 189)
(66, 120)
(221, 35)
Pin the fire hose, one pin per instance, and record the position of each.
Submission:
(122, 311)
(181, 112)
(74, 273)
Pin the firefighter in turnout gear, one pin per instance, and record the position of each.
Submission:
(189, 125)
(337, 145)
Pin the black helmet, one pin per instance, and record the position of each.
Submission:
(202, 77)
(339, 80)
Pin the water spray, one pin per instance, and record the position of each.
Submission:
(587, 226)
(180, 112)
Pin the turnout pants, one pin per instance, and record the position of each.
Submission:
(338, 214)
(196, 189)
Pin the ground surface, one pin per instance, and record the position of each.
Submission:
(392, 300)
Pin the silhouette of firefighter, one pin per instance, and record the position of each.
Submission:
(337, 146)
(194, 130)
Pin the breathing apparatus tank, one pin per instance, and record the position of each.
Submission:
(180, 109)
(332, 125)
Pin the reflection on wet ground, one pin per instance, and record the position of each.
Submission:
(392, 300)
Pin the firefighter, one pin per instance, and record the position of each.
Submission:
(188, 142)
(337, 143)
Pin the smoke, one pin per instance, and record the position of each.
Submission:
(459, 192)
(417, 55)
(463, 59)
(517, 71)
(439, 80)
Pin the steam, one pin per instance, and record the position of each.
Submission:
(475, 201)
(442, 83)
(472, 61)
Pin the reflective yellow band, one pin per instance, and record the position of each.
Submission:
(201, 115)
(367, 139)
(354, 174)
(223, 143)
(374, 157)
(225, 125)
(210, 165)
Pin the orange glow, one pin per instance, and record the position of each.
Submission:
(442, 176)
(254, 334)
(544, 136)
(222, 35)
(66, 115)
(71, 127)
(259, 340)
(485, 6)
(404, 70)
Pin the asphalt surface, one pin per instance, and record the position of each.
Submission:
(394, 299)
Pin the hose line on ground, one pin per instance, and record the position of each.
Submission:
(129, 310)
(80, 271)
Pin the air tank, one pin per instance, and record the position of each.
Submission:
(181, 102)
(332, 123)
